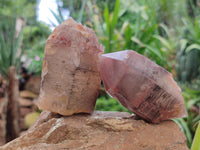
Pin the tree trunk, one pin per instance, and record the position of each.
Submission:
(3, 113)
(12, 123)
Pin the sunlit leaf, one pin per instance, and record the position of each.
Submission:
(154, 51)
(163, 41)
(136, 40)
(184, 128)
(59, 18)
(106, 17)
(193, 47)
(165, 28)
(196, 141)
(183, 44)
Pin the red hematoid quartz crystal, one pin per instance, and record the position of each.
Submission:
(141, 86)
(70, 76)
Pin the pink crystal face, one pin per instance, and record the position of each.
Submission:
(141, 86)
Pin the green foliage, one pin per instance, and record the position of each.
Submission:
(109, 104)
(144, 34)
(21, 8)
(188, 51)
(12, 47)
(34, 33)
(187, 64)
(59, 17)
(10, 43)
(35, 59)
(192, 102)
(160, 49)
(196, 141)
(133, 25)
(77, 10)
(111, 21)
(185, 129)
(34, 43)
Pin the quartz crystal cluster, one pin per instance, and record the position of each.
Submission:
(74, 62)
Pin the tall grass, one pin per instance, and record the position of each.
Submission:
(111, 21)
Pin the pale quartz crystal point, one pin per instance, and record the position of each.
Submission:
(142, 86)
(70, 76)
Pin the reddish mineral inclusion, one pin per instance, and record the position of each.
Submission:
(141, 86)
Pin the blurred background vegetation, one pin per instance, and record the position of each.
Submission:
(166, 31)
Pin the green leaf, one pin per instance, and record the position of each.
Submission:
(81, 11)
(106, 18)
(4, 51)
(191, 91)
(196, 141)
(163, 41)
(183, 44)
(52, 23)
(10, 45)
(193, 47)
(17, 45)
(136, 40)
(57, 17)
(60, 14)
(154, 51)
(185, 129)
(192, 102)
(196, 119)
(115, 14)
(165, 28)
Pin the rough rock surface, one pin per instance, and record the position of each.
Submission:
(27, 105)
(33, 84)
(99, 131)
(70, 70)
(142, 86)
(28, 94)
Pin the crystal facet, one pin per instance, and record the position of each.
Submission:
(70, 77)
(141, 86)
